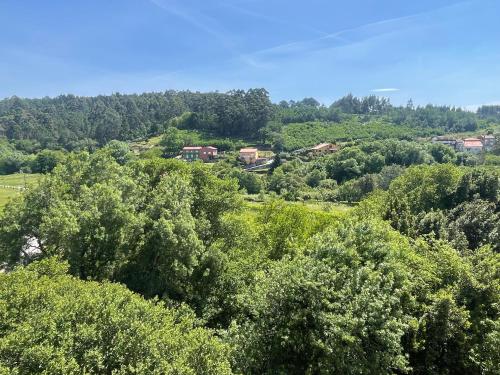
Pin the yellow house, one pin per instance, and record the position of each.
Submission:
(324, 148)
(249, 155)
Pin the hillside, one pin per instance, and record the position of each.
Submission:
(77, 123)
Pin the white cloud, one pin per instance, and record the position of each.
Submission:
(388, 89)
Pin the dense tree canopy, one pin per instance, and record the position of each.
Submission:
(148, 223)
(53, 323)
(458, 204)
(75, 122)
(444, 118)
(335, 311)
(289, 289)
(361, 167)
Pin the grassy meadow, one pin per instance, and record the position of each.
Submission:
(11, 185)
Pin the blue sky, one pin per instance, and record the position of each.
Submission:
(433, 51)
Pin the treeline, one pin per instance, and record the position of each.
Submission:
(444, 118)
(407, 282)
(309, 109)
(446, 202)
(490, 112)
(77, 123)
(14, 161)
(82, 123)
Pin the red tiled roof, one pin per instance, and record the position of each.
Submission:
(248, 150)
(211, 147)
(472, 142)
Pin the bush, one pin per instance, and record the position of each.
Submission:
(54, 323)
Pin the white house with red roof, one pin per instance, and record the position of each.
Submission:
(472, 145)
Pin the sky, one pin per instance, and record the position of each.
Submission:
(430, 51)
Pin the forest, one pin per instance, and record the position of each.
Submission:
(380, 258)
(78, 123)
(73, 122)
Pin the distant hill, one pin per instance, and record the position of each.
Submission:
(74, 122)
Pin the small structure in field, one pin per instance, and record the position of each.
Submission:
(324, 148)
(205, 153)
(472, 145)
(249, 155)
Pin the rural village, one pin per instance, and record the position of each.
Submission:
(251, 160)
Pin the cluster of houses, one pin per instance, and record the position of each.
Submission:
(204, 153)
(472, 145)
(208, 153)
(248, 155)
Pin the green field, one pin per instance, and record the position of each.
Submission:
(6, 195)
(307, 134)
(18, 179)
(328, 207)
(10, 185)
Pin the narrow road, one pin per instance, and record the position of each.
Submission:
(260, 166)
